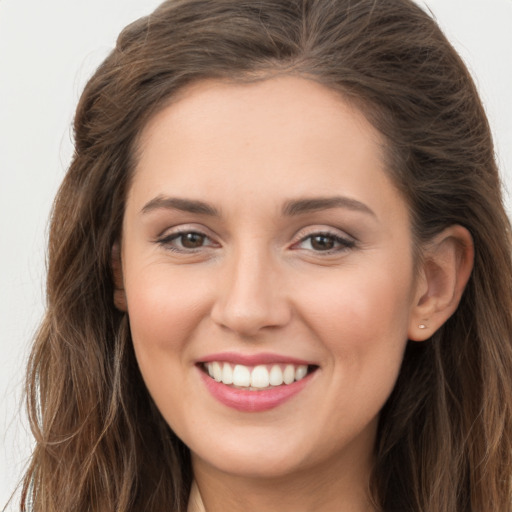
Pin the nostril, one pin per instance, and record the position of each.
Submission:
(249, 319)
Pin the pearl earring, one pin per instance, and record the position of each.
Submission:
(422, 326)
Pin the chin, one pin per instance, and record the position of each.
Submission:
(253, 465)
(253, 455)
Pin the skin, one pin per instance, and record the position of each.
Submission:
(258, 280)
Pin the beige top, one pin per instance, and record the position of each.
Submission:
(195, 502)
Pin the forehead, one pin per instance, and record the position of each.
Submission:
(281, 135)
(283, 104)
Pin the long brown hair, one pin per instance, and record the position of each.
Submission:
(444, 440)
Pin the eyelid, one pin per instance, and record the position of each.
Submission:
(182, 228)
(170, 234)
(347, 241)
(344, 240)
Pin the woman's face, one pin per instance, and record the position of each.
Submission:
(263, 241)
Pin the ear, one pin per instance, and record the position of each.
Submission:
(117, 276)
(444, 272)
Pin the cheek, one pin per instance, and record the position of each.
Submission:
(363, 324)
(365, 330)
(164, 309)
(360, 302)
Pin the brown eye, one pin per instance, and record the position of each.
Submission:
(325, 242)
(186, 241)
(322, 242)
(192, 240)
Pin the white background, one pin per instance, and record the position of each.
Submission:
(48, 49)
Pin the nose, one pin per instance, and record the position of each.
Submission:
(251, 296)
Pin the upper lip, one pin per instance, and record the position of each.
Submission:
(253, 359)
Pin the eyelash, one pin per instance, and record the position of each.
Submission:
(167, 241)
(343, 244)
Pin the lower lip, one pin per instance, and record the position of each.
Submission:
(253, 401)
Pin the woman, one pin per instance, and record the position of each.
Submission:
(279, 272)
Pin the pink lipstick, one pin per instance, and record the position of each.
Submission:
(254, 383)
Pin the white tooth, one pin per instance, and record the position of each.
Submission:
(289, 374)
(217, 371)
(276, 376)
(259, 377)
(301, 372)
(241, 376)
(227, 374)
(209, 366)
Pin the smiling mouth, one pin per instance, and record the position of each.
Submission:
(256, 378)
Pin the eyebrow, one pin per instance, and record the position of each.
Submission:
(309, 205)
(290, 208)
(178, 203)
